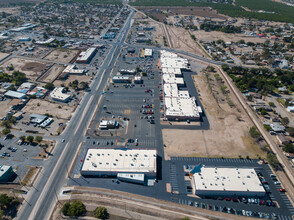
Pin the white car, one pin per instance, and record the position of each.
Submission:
(24, 150)
(62, 140)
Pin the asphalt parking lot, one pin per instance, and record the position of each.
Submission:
(21, 159)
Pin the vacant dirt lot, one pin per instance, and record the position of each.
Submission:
(42, 107)
(181, 39)
(72, 78)
(52, 73)
(215, 35)
(3, 55)
(161, 13)
(62, 55)
(229, 125)
(32, 69)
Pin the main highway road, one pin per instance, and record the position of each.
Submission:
(42, 197)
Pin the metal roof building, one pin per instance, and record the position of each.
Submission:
(15, 95)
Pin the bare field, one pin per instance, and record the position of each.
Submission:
(161, 12)
(181, 39)
(32, 69)
(42, 107)
(229, 128)
(216, 35)
(3, 55)
(62, 55)
(52, 73)
(72, 78)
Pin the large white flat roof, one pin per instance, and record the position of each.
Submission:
(85, 55)
(120, 160)
(72, 69)
(181, 107)
(227, 179)
(169, 70)
(148, 52)
(171, 78)
(57, 93)
(172, 60)
(170, 90)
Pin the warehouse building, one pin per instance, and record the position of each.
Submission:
(127, 72)
(74, 70)
(230, 182)
(36, 118)
(15, 95)
(86, 56)
(133, 165)
(58, 95)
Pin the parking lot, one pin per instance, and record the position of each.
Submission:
(20, 158)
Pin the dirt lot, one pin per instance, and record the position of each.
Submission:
(62, 55)
(72, 78)
(181, 39)
(215, 35)
(42, 107)
(160, 13)
(4, 107)
(32, 69)
(52, 73)
(3, 55)
(229, 125)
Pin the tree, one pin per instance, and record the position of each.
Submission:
(272, 159)
(101, 212)
(5, 201)
(254, 133)
(225, 67)
(39, 139)
(76, 208)
(289, 148)
(267, 127)
(271, 104)
(30, 139)
(6, 124)
(23, 138)
(263, 112)
(84, 85)
(290, 130)
(6, 131)
(285, 121)
(49, 86)
(65, 208)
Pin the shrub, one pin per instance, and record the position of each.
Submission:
(101, 212)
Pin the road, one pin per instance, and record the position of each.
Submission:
(53, 177)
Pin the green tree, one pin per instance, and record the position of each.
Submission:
(77, 208)
(289, 148)
(263, 112)
(101, 212)
(6, 131)
(30, 139)
(6, 124)
(267, 127)
(5, 201)
(84, 85)
(271, 104)
(285, 121)
(254, 133)
(23, 138)
(65, 208)
(39, 139)
(290, 130)
(225, 67)
(273, 161)
(49, 86)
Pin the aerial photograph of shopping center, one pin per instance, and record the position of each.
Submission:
(144, 109)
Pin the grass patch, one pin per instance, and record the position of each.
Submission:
(252, 148)
(30, 173)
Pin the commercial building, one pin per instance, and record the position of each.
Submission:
(58, 95)
(229, 182)
(86, 56)
(123, 163)
(108, 124)
(47, 122)
(15, 95)
(48, 41)
(178, 104)
(182, 109)
(148, 52)
(74, 70)
(5, 173)
(127, 72)
(38, 119)
(138, 80)
(121, 79)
